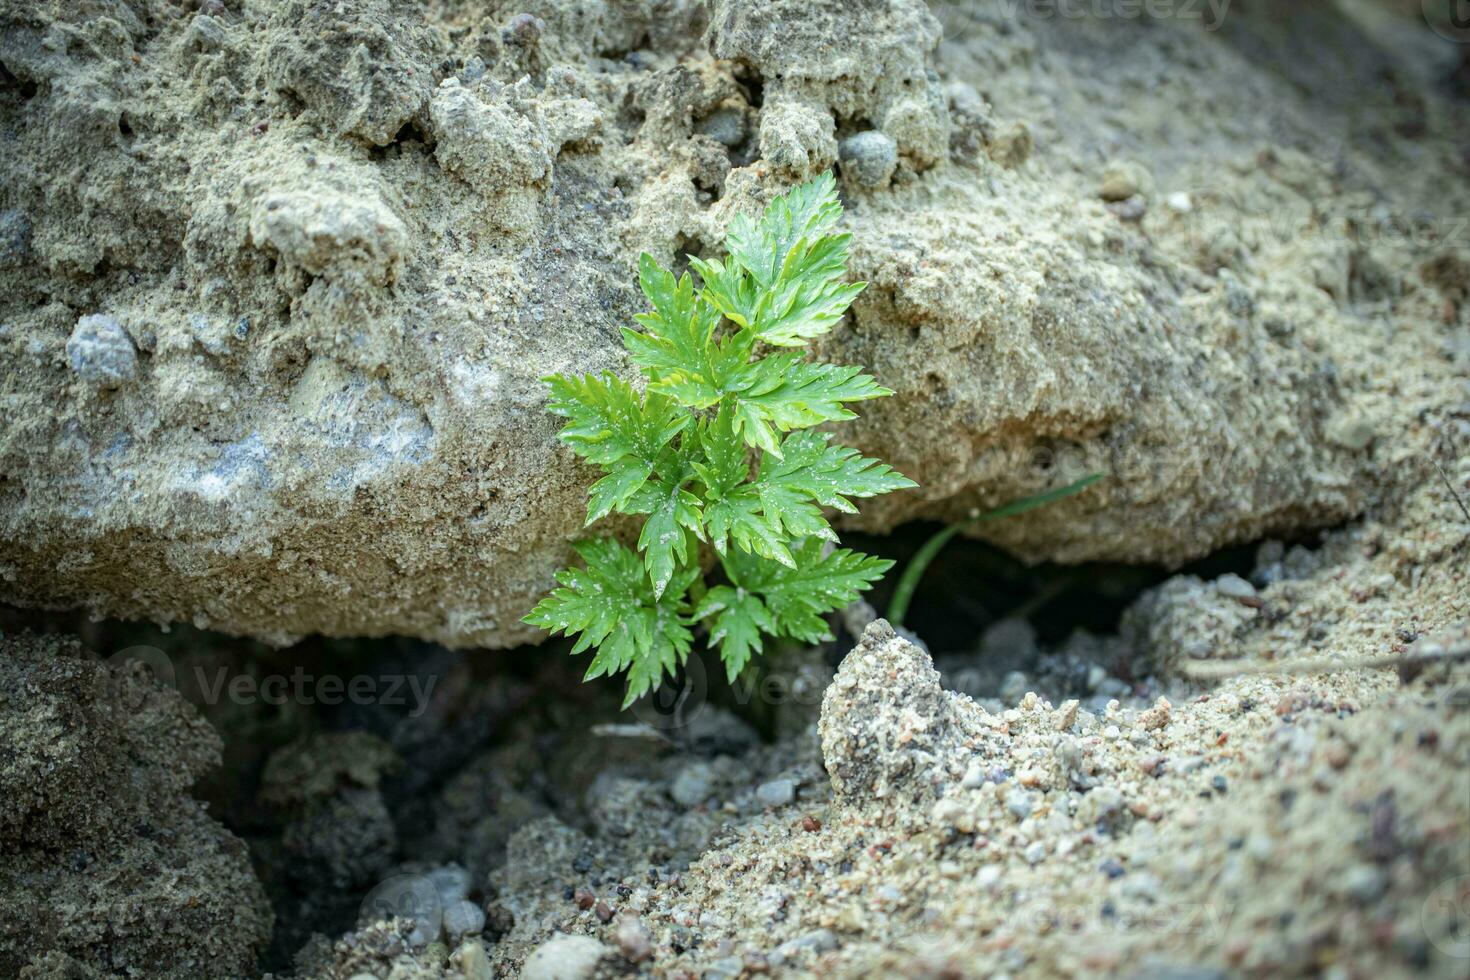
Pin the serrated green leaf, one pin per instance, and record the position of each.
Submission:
(726, 464)
(608, 420)
(740, 517)
(805, 213)
(804, 309)
(781, 393)
(799, 597)
(611, 604)
(679, 331)
(729, 288)
(733, 509)
(784, 277)
(828, 474)
(597, 600)
(672, 510)
(739, 619)
(624, 478)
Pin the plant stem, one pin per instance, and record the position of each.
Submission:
(908, 582)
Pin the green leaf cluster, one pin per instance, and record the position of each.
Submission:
(716, 447)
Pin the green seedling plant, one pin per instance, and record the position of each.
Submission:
(718, 447)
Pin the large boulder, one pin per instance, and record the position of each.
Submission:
(335, 244)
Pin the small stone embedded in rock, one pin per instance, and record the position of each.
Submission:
(726, 968)
(870, 157)
(100, 352)
(1352, 432)
(1122, 180)
(1130, 209)
(726, 126)
(818, 941)
(564, 957)
(952, 813)
(1157, 716)
(472, 960)
(463, 918)
(15, 238)
(1234, 587)
(1019, 805)
(522, 30)
(778, 792)
(633, 940)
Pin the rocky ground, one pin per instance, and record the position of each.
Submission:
(277, 278)
(1221, 787)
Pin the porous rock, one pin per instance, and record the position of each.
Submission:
(343, 294)
(887, 727)
(105, 859)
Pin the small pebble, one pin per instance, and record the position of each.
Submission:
(1365, 882)
(564, 957)
(726, 968)
(1132, 209)
(818, 941)
(100, 351)
(463, 918)
(1234, 587)
(15, 237)
(725, 126)
(778, 792)
(869, 157)
(693, 785)
(1120, 181)
(451, 882)
(633, 941)
(1019, 805)
(522, 30)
